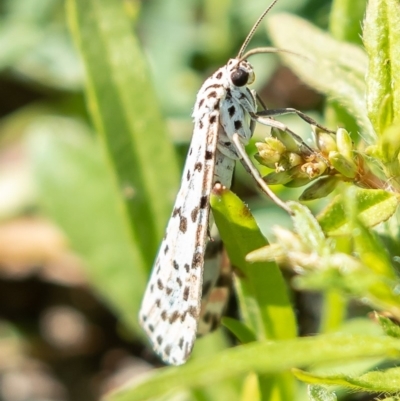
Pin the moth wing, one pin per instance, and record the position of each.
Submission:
(171, 305)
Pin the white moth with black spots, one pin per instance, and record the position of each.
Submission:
(224, 117)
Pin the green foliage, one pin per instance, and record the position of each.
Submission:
(262, 357)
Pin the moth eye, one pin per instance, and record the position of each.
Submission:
(239, 77)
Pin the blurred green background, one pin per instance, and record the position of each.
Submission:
(72, 265)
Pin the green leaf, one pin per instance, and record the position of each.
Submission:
(261, 357)
(251, 391)
(345, 25)
(308, 228)
(387, 381)
(389, 148)
(123, 107)
(262, 293)
(382, 41)
(77, 190)
(373, 205)
(269, 312)
(389, 327)
(333, 67)
(371, 251)
(318, 393)
(239, 329)
(320, 189)
(344, 20)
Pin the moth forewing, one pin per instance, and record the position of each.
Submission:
(171, 304)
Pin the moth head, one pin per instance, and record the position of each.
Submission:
(242, 74)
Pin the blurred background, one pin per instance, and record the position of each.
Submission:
(61, 336)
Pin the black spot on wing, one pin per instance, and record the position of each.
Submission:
(238, 124)
(203, 202)
(194, 214)
(197, 260)
(198, 166)
(213, 86)
(192, 312)
(183, 224)
(167, 350)
(174, 317)
(186, 293)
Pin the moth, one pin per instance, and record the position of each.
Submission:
(224, 117)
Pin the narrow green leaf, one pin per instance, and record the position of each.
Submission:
(261, 357)
(371, 251)
(373, 205)
(320, 188)
(334, 310)
(382, 41)
(387, 381)
(344, 20)
(239, 329)
(263, 296)
(124, 110)
(333, 67)
(345, 25)
(251, 391)
(367, 245)
(307, 227)
(262, 284)
(77, 190)
(389, 145)
(389, 327)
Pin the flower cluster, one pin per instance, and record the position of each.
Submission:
(295, 164)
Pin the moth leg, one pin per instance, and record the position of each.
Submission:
(289, 110)
(259, 100)
(277, 124)
(251, 169)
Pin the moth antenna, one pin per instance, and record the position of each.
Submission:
(255, 26)
(259, 50)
